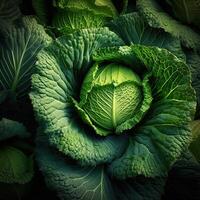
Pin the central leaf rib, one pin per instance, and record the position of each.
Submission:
(113, 110)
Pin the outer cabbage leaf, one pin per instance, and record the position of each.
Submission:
(98, 7)
(18, 56)
(71, 181)
(15, 166)
(164, 133)
(183, 180)
(193, 60)
(10, 128)
(9, 10)
(67, 21)
(42, 9)
(133, 29)
(60, 71)
(140, 188)
(195, 145)
(158, 18)
(75, 15)
(186, 10)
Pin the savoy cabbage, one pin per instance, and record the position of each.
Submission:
(99, 98)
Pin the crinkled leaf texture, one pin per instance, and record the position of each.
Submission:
(18, 55)
(165, 132)
(158, 18)
(148, 150)
(75, 15)
(98, 7)
(161, 137)
(61, 68)
(72, 181)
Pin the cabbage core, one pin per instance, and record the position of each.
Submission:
(114, 96)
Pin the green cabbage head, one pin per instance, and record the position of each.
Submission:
(111, 106)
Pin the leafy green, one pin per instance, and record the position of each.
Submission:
(98, 7)
(183, 179)
(10, 128)
(103, 93)
(193, 60)
(70, 21)
(186, 10)
(58, 79)
(158, 18)
(75, 182)
(15, 166)
(42, 9)
(74, 86)
(195, 145)
(9, 10)
(164, 130)
(18, 53)
(134, 29)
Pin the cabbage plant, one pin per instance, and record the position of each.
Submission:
(113, 108)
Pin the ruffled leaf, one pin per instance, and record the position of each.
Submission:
(67, 21)
(164, 133)
(158, 18)
(60, 71)
(133, 29)
(71, 181)
(98, 7)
